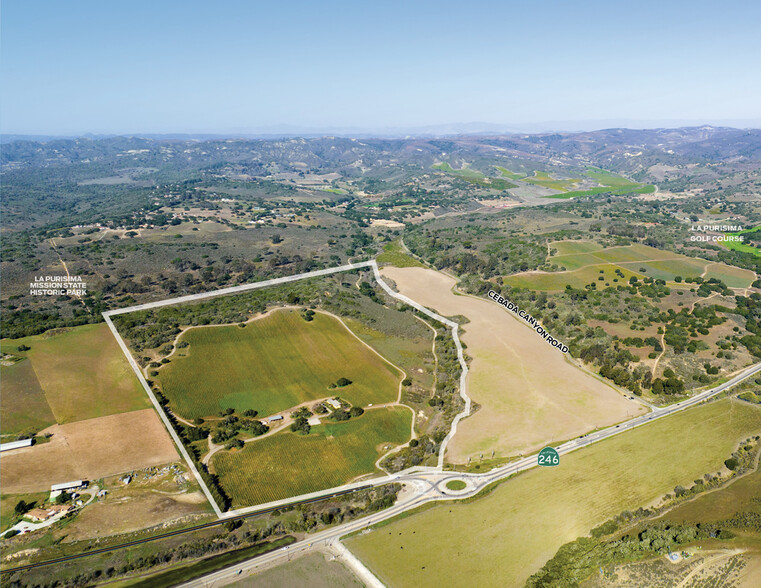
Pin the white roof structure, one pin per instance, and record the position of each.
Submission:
(15, 444)
(67, 485)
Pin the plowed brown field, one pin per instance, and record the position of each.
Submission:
(88, 450)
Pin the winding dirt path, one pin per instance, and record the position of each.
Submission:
(663, 335)
(433, 352)
(528, 391)
(68, 275)
(281, 425)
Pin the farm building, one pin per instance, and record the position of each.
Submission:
(334, 403)
(275, 418)
(75, 485)
(15, 444)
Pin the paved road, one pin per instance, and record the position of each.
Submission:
(429, 485)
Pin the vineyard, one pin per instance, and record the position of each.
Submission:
(271, 364)
(288, 464)
(583, 262)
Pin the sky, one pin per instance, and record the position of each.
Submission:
(230, 66)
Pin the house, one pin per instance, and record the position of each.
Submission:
(39, 515)
(334, 403)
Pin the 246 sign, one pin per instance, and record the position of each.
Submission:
(548, 457)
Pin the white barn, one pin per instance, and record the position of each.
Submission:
(15, 444)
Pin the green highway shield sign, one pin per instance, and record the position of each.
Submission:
(548, 457)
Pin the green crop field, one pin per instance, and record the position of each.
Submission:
(509, 174)
(668, 269)
(607, 178)
(272, 364)
(577, 279)
(82, 372)
(584, 260)
(288, 464)
(545, 180)
(635, 252)
(734, 277)
(23, 407)
(743, 495)
(464, 172)
(570, 247)
(576, 260)
(394, 254)
(629, 189)
(474, 177)
(505, 536)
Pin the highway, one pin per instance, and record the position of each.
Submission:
(430, 485)
(422, 484)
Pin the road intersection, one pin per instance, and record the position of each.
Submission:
(427, 485)
(423, 484)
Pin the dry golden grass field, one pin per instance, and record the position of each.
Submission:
(502, 538)
(529, 393)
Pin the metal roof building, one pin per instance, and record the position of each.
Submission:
(15, 444)
(68, 485)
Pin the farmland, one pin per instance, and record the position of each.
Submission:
(527, 390)
(275, 362)
(520, 524)
(547, 181)
(742, 495)
(314, 570)
(394, 254)
(627, 189)
(734, 277)
(585, 261)
(288, 464)
(509, 174)
(89, 450)
(607, 178)
(475, 177)
(23, 407)
(82, 372)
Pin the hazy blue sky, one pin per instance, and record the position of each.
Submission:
(190, 66)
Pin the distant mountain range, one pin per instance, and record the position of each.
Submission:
(443, 130)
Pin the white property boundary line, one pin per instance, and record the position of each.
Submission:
(264, 284)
